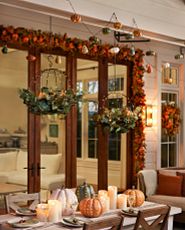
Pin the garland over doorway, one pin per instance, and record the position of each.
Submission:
(26, 38)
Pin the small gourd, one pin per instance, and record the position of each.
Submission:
(138, 195)
(91, 207)
(84, 191)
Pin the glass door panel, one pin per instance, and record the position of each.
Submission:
(117, 96)
(87, 80)
(52, 128)
(13, 117)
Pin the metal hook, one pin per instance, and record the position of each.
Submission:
(50, 61)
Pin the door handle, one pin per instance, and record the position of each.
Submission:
(32, 169)
(39, 168)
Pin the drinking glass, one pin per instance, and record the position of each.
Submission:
(130, 199)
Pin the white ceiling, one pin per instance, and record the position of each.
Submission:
(166, 17)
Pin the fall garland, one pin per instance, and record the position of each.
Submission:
(171, 119)
(29, 38)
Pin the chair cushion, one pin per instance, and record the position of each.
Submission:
(175, 201)
(183, 182)
(51, 162)
(8, 161)
(169, 185)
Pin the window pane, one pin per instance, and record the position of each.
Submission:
(169, 74)
(79, 129)
(164, 156)
(92, 87)
(114, 147)
(92, 131)
(172, 155)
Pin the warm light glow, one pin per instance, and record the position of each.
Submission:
(149, 116)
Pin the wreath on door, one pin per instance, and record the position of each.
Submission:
(171, 119)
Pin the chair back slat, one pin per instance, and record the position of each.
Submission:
(160, 222)
(15, 201)
(114, 223)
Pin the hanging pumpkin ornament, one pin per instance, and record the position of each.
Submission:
(76, 18)
(84, 191)
(58, 60)
(85, 49)
(106, 30)
(31, 58)
(132, 50)
(148, 68)
(137, 33)
(4, 49)
(114, 50)
(117, 25)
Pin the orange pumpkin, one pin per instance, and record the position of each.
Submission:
(91, 207)
(138, 195)
(76, 18)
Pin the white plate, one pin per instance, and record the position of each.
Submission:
(24, 223)
(67, 222)
(25, 212)
(129, 213)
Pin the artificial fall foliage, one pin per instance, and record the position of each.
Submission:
(28, 38)
(171, 119)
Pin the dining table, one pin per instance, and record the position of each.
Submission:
(128, 223)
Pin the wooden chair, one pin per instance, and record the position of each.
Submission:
(13, 202)
(161, 221)
(114, 223)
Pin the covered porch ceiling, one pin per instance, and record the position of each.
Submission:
(159, 20)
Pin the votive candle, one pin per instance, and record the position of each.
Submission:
(42, 212)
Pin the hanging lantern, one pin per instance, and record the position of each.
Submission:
(132, 50)
(106, 30)
(148, 68)
(114, 50)
(137, 33)
(31, 58)
(85, 49)
(76, 18)
(4, 49)
(58, 60)
(117, 25)
(150, 53)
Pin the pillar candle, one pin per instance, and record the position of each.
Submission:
(122, 201)
(42, 212)
(105, 200)
(112, 192)
(54, 210)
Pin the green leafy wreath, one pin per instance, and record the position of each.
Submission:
(171, 119)
(49, 101)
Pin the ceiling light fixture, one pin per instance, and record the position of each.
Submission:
(179, 55)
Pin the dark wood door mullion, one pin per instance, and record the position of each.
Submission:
(34, 126)
(71, 128)
(102, 135)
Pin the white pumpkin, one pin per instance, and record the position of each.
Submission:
(68, 199)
